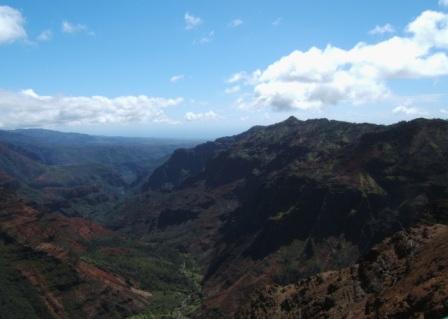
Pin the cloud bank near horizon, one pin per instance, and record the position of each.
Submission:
(29, 109)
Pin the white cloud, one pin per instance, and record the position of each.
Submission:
(246, 78)
(233, 89)
(444, 111)
(443, 3)
(45, 36)
(277, 22)
(11, 25)
(191, 22)
(29, 109)
(191, 116)
(321, 77)
(68, 27)
(382, 29)
(177, 78)
(408, 110)
(206, 38)
(236, 23)
(237, 77)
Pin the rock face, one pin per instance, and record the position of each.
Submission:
(403, 277)
(43, 275)
(279, 203)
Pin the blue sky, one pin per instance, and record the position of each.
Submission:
(211, 68)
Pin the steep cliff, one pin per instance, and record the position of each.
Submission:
(280, 203)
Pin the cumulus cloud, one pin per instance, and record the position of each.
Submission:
(407, 110)
(69, 27)
(177, 78)
(444, 111)
(235, 23)
(443, 3)
(45, 36)
(12, 25)
(191, 22)
(29, 109)
(191, 116)
(321, 77)
(382, 29)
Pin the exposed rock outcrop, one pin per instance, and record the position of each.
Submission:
(403, 277)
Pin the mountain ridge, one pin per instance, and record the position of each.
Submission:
(321, 192)
(223, 229)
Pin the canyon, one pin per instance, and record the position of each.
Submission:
(300, 219)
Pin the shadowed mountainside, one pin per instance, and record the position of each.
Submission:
(283, 221)
(280, 203)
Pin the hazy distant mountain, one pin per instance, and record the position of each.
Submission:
(57, 148)
(79, 174)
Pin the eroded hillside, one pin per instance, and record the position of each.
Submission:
(279, 203)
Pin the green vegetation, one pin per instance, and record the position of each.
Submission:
(369, 185)
(281, 215)
(170, 305)
(172, 277)
(18, 299)
(302, 258)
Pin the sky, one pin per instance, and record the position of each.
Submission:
(204, 69)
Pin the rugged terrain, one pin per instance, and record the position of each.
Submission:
(280, 203)
(56, 261)
(43, 275)
(403, 277)
(301, 219)
(54, 266)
